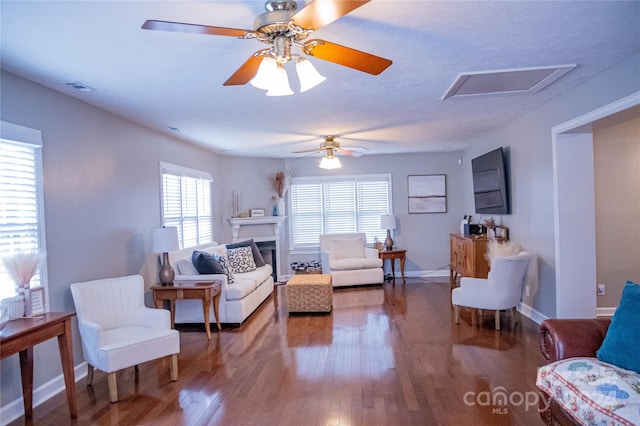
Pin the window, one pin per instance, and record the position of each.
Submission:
(336, 205)
(21, 207)
(186, 204)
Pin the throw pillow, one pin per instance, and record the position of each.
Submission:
(224, 264)
(206, 263)
(241, 260)
(257, 256)
(347, 248)
(620, 346)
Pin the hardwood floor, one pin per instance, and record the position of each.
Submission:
(386, 355)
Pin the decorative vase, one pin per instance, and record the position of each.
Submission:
(280, 207)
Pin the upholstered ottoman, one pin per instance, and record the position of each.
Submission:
(309, 293)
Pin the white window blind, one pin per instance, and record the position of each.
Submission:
(337, 205)
(21, 208)
(186, 204)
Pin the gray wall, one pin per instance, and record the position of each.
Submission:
(529, 144)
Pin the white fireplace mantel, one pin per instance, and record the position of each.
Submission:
(237, 222)
(276, 221)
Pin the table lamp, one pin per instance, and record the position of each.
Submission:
(164, 240)
(388, 222)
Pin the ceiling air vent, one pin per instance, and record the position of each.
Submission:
(79, 86)
(510, 81)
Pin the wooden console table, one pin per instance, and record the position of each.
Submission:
(208, 291)
(392, 255)
(468, 257)
(21, 335)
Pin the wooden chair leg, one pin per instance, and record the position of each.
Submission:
(456, 310)
(113, 387)
(173, 367)
(498, 319)
(514, 317)
(89, 374)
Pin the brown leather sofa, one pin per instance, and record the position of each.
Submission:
(567, 338)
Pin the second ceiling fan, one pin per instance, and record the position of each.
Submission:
(282, 27)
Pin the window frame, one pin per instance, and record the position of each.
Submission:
(313, 248)
(185, 172)
(24, 136)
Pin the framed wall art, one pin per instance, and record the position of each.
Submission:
(427, 193)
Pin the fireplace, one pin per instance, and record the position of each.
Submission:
(265, 232)
(269, 253)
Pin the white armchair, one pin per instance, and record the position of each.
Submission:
(118, 331)
(501, 290)
(349, 261)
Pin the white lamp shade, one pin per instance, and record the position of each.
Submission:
(308, 75)
(280, 84)
(164, 239)
(388, 221)
(330, 163)
(266, 74)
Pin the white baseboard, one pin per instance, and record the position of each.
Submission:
(425, 274)
(605, 312)
(531, 313)
(15, 409)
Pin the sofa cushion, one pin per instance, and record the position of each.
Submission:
(346, 248)
(257, 256)
(185, 266)
(241, 260)
(246, 283)
(224, 263)
(355, 263)
(592, 391)
(206, 263)
(621, 343)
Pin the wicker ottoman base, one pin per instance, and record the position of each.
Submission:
(309, 293)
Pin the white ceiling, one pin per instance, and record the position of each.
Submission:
(164, 79)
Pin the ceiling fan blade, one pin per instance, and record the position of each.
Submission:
(196, 29)
(307, 150)
(355, 147)
(322, 12)
(349, 152)
(346, 56)
(247, 70)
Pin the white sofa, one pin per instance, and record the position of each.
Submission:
(349, 261)
(237, 300)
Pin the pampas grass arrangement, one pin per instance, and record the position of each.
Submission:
(22, 266)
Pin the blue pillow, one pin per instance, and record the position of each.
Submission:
(621, 345)
(205, 263)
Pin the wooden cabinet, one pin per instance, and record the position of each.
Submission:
(468, 257)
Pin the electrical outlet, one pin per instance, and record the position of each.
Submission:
(600, 289)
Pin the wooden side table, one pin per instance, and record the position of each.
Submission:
(21, 335)
(208, 291)
(392, 255)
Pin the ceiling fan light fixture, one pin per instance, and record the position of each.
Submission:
(266, 74)
(330, 162)
(280, 83)
(308, 75)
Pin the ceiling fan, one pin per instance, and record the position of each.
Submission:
(331, 148)
(284, 26)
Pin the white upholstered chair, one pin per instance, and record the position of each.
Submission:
(118, 331)
(501, 290)
(349, 261)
